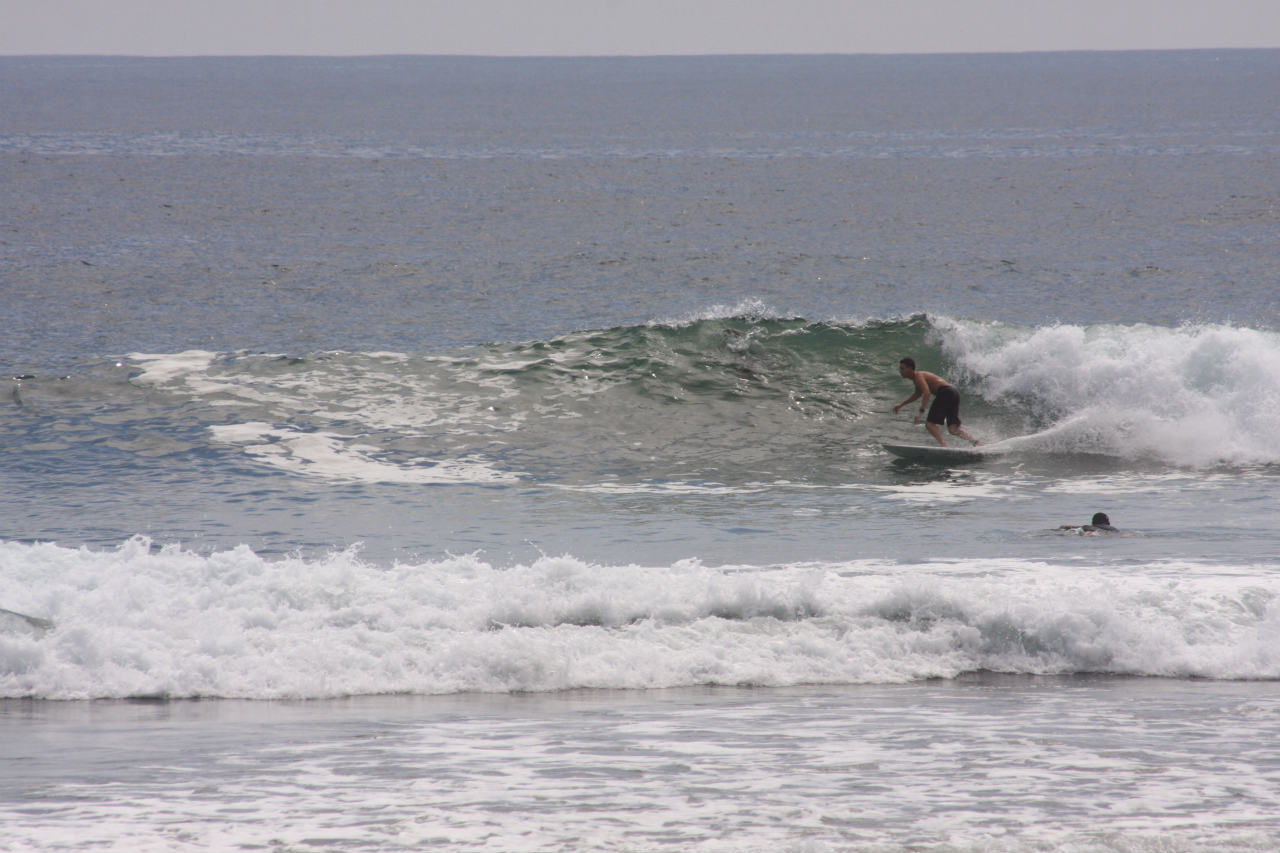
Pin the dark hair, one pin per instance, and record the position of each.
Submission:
(909, 362)
(1099, 519)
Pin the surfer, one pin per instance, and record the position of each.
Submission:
(1098, 524)
(946, 402)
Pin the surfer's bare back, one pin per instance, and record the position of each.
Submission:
(946, 402)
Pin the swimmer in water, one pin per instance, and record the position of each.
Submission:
(1098, 524)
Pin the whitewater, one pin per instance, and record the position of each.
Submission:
(582, 418)
(166, 623)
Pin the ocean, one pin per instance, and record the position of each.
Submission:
(442, 453)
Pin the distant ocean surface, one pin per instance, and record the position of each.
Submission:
(486, 454)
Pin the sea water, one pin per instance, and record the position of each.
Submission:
(440, 453)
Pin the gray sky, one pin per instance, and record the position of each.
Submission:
(641, 27)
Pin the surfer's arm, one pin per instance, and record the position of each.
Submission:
(908, 400)
(922, 390)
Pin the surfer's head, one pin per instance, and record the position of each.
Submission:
(1100, 522)
(907, 367)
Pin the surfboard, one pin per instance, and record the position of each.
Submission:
(936, 454)
(10, 619)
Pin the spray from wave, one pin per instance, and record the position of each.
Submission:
(1194, 395)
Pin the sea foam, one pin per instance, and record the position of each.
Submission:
(170, 622)
(1195, 395)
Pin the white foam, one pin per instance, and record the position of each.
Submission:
(159, 369)
(659, 488)
(749, 307)
(171, 622)
(1195, 395)
(334, 456)
(377, 394)
(1133, 484)
(929, 493)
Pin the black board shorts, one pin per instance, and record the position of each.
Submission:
(945, 407)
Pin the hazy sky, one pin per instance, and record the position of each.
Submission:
(645, 27)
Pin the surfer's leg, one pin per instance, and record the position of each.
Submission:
(937, 415)
(956, 429)
(949, 408)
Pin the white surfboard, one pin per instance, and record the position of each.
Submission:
(936, 454)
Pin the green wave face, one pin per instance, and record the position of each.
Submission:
(745, 398)
(739, 398)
